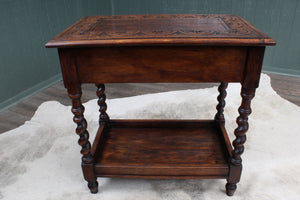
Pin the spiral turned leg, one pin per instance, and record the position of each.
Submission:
(238, 143)
(101, 102)
(221, 99)
(81, 130)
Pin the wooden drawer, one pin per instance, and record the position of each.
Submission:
(160, 64)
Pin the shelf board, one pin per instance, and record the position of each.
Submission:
(161, 149)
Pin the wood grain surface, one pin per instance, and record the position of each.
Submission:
(160, 64)
(166, 29)
(163, 148)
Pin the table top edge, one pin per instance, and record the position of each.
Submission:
(260, 39)
(163, 42)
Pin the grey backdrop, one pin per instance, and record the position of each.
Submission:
(25, 26)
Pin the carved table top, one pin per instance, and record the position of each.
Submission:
(160, 30)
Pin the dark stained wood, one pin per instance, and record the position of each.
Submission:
(98, 141)
(160, 30)
(225, 138)
(87, 158)
(81, 130)
(222, 48)
(161, 123)
(242, 121)
(253, 67)
(238, 143)
(103, 117)
(221, 99)
(90, 177)
(160, 64)
(164, 148)
(167, 177)
(68, 68)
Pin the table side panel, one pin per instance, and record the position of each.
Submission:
(166, 171)
(160, 64)
(214, 176)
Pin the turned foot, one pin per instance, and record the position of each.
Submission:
(93, 187)
(230, 188)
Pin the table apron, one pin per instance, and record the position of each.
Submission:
(160, 64)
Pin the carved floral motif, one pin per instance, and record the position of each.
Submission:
(162, 26)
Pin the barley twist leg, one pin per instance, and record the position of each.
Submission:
(81, 130)
(238, 143)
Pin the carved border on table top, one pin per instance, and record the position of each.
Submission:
(82, 30)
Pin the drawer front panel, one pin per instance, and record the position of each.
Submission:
(160, 64)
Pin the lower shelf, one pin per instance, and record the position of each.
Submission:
(161, 149)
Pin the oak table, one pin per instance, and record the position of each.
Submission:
(161, 48)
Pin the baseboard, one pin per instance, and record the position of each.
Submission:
(281, 71)
(29, 92)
